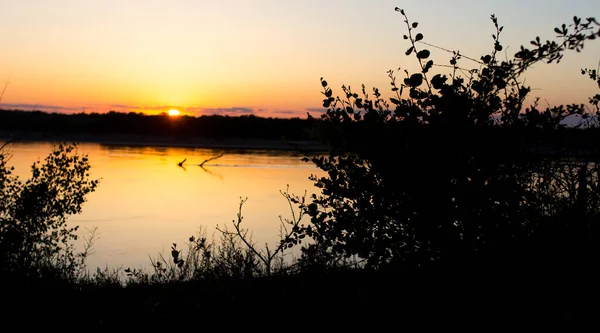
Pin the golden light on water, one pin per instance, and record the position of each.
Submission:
(154, 203)
(173, 112)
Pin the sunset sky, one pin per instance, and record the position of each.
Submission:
(255, 56)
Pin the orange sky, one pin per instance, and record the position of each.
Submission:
(263, 56)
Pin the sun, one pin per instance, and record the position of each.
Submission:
(174, 113)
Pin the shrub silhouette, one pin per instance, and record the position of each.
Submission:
(35, 240)
(233, 255)
(449, 170)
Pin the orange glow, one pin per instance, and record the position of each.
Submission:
(173, 113)
(155, 203)
(209, 57)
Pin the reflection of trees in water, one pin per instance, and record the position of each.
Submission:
(136, 149)
(202, 156)
(195, 151)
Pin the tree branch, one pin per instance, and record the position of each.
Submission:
(211, 159)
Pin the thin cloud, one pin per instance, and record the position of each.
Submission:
(316, 110)
(123, 106)
(160, 107)
(288, 112)
(40, 107)
(221, 111)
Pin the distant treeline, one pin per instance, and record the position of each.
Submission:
(207, 126)
(565, 140)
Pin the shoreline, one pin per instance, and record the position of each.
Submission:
(166, 141)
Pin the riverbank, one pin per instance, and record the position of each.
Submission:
(166, 141)
(347, 299)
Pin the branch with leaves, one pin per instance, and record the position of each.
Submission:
(459, 133)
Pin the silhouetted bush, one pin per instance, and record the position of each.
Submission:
(454, 169)
(35, 241)
(232, 256)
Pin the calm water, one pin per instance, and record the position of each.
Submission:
(145, 202)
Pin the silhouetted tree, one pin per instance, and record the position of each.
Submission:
(35, 240)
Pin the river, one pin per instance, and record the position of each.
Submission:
(145, 201)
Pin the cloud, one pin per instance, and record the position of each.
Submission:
(141, 108)
(40, 107)
(316, 110)
(232, 111)
(123, 106)
(288, 112)
(160, 107)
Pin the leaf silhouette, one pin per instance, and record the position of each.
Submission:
(415, 80)
(423, 54)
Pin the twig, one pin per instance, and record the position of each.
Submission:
(242, 233)
(268, 255)
(211, 159)
(4, 89)
(450, 51)
(6, 154)
(414, 48)
(6, 144)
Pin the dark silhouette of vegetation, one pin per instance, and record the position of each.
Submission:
(448, 172)
(432, 197)
(233, 256)
(180, 127)
(35, 241)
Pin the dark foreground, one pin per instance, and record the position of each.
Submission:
(356, 300)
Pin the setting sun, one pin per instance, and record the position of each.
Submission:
(173, 113)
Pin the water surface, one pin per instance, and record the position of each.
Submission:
(145, 202)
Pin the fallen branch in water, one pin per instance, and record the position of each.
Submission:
(210, 159)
